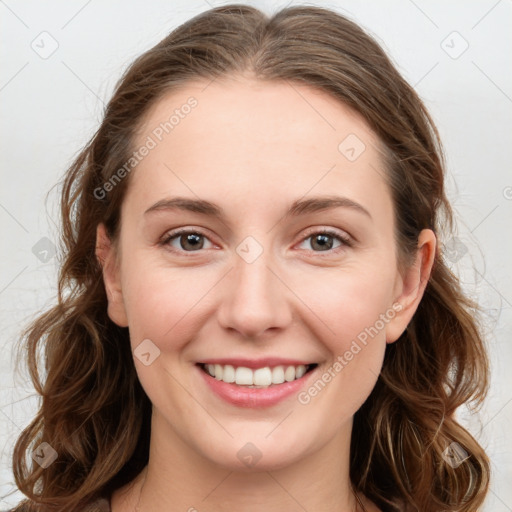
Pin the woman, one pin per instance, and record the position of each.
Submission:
(254, 311)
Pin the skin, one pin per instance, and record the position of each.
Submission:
(253, 148)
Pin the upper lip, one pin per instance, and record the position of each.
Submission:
(256, 363)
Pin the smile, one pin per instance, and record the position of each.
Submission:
(259, 377)
(255, 383)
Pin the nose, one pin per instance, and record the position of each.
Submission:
(255, 300)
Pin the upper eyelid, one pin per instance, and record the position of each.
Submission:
(168, 235)
(331, 231)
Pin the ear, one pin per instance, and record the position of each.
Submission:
(106, 255)
(411, 285)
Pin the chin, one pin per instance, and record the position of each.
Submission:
(258, 454)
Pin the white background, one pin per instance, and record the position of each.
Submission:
(50, 107)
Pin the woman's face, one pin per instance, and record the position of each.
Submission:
(286, 258)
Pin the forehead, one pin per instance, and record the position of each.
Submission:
(242, 138)
(276, 114)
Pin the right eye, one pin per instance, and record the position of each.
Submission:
(185, 240)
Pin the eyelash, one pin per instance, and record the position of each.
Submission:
(344, 239)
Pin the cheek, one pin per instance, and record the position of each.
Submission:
(347, 302)
(162, 303)
(353, 310)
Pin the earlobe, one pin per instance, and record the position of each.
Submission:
(106, 255)
(413, 284)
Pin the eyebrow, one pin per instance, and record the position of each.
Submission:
(298, 207)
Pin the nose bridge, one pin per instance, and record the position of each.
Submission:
(255, 300)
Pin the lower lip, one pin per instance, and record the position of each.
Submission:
(243, 396)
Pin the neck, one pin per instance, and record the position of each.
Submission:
(177, 476)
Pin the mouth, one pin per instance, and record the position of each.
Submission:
(257, 377)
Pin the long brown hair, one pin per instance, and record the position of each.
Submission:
(94, 412)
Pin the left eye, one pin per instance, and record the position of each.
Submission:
(324, 241)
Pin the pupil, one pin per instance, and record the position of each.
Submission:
(325, 241)
(193, 239)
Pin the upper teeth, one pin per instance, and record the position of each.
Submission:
(260, 377)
